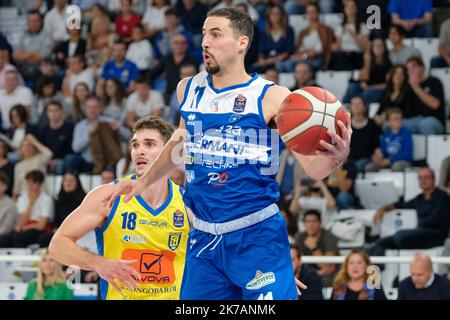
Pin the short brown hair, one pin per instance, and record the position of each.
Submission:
(35, 176)
(416, 60)
(154, 122)
(393, 110)
(240, 22)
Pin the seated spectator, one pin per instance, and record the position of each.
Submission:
(96, 141)
(341, 185)
(423, 284)
(140, 52)
(316, 241)
(8, 210)
(427, 100)
(55, 22)
(81, 93)
(172, 113)
(352, 281)
(273, 75)
(365, 137)
(233, 3)
(74, 46)
(35, 209)
(298, 6)
(304, 76)
(307, 275)
(45, 92)
(47, 69)
(171, 64)
(69, 198)
(314, 43)
(400, 52)
(34, 45)
(34, 156)
(114, 100)
(120, 68)
(126, 20)
(20, 126)
(108, 174)
(76, 73)
(6, 167)
(373, 75)
(143, 102)
(57, 136)
(11, 95)
(100, 42)
(252, 53)
(396, 145)
(193, 14)
(352, 38)
(396, 94)
(87, 5)
(50, 283)
(443, 60)
(276, 42)
(5, 66)
(433, 218)
(416, 17)
(154, 18)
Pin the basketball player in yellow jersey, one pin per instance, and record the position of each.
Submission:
(142, 243)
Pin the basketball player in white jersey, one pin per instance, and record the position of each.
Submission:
(238, 247)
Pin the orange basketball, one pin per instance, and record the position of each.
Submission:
(306, 115)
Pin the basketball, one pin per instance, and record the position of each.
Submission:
(306, 115)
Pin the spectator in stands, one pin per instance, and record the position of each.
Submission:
(57, 135)
(416, 17)
(13, 94)
(5, 66)
(120, 68)
(396, 145)
(33, 46)
(80, 95)
(126, 20)
(193, 14)
(171, 64)
(140, 52)
(47, 69)
(352, 38)
(35, 209)
(100, 42)
(154, 18)
(432, 213)
(288, 174)
(396, 94)
(45, 92)
(50, 283)
(314, 43)
(307, 275)
(304, 76)
(273, 75)
(400, 52)
(74, 46)
(443, 60)
(316, 241)
(77, 72)
(144, 101)
(352, 281)
(423, 284)
(8, 210)
(365, 137)
(35, 156)
(427, 100)
(55, 22)
(69, 198)
(341, 184)
(276, 42)
(87, 5)
(233, 3)
(252, 54)
(96, 141)
(172, 113)
(373, 75)
(108, 174)
(6, 167)
(114, 100)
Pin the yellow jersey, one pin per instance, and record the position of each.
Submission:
(155, 238)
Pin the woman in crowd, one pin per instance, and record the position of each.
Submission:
(80, 96)
(114, 99)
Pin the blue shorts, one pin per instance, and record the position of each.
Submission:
(253, 263)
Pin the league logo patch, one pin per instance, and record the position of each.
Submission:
(178, 219)
(260, 280)
(239, 104)
(174, 240)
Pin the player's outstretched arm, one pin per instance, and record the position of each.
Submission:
(88, 216)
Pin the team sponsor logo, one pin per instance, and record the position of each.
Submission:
(178, 219)
(239, 104)
(260, 280)
(191, 119)
(234, 118)
(190, 175)
(134, 239)
(214, 106)
(217, 179)
(174, 240)
(153, 223)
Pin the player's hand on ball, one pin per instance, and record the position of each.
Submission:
(121, 270)
(300, 285)
(341, 149)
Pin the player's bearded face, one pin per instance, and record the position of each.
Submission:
(211, 64)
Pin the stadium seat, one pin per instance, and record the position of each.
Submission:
(404, 267)
(428, 47)
(298, 22)
(333, 20)
(9, 268)
(376, 194)
(412, 188)
(335, 81)
(444, 75)
(49, 185)
(438, 149)
(373, 109)
(387, 175)
(390, 271)
(419, 147)
(287, 79)
(326, 293)
(85, 180)
(391, 293)
(95, 181)
(13, 291)
(85, 291)
(397, 219)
